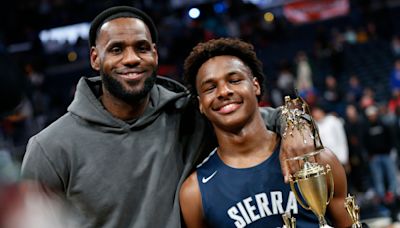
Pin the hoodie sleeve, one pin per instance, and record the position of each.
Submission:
(37, 166)
(272, 118)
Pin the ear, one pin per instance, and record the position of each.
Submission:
(155, 53)
(256, 85)
(200, 106)
(94, 58)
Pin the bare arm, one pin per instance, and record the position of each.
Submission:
(336, 208)
(190, 202)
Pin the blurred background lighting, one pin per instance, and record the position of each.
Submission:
(268, 17)
(72, 56)
(219, 7)
(194, 13)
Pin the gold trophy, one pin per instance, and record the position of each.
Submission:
(312, 182)
(354, 211)
(312, 179)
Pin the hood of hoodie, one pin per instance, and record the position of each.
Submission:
(166, 94)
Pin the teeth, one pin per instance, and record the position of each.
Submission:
(131, 75)
(228, 108)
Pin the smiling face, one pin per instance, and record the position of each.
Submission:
(227, 92)
(126, 58)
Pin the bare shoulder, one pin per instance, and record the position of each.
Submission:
(190, 186)
(190, 202)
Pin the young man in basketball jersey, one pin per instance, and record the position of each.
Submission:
(240, 183)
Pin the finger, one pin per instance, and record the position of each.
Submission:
(294, 166)
(286, 173)
(284, 165)
(289, 167)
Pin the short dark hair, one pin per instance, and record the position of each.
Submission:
(117, 12)
(217, 47)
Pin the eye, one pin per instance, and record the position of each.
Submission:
(143, 47)
(235, 80)
(208, 88)
(116, 50)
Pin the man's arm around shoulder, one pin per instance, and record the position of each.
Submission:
(272, 118)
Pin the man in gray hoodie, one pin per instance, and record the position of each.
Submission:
(129, 137)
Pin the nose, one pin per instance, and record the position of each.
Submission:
(224, 91)
(130, 57)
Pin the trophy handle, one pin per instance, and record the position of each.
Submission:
(331, 183)
(297, 195)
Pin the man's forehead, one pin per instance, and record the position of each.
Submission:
(118, 12)
(128, 22)
(132, 27)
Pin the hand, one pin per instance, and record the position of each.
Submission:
(295, 144)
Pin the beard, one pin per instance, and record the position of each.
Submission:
(117, 89)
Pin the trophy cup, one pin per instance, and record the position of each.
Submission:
(354, 211)
(288, 220)
(312, 179)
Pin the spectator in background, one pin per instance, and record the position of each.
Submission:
(304, 81)
(19, 126)
(304, 73)
(284, 84)
(367, 98)
(285, 81)
(371, 31)
(395, 45)
(13, 84)
(386, 116)
(39, 98)
(396, 133)
(395, 76)
(394, 101)
(332, 95)
(333, 135)
(354, 90)
(358, 178)
(12, 90)
(378, 143)
(337, 53)
(14, 109)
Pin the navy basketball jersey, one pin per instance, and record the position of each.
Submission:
(248, 197)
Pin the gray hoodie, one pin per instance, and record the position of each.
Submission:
(118, 174)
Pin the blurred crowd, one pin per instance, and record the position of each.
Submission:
(358, 112)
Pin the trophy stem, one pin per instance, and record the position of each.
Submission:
(322, 222)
